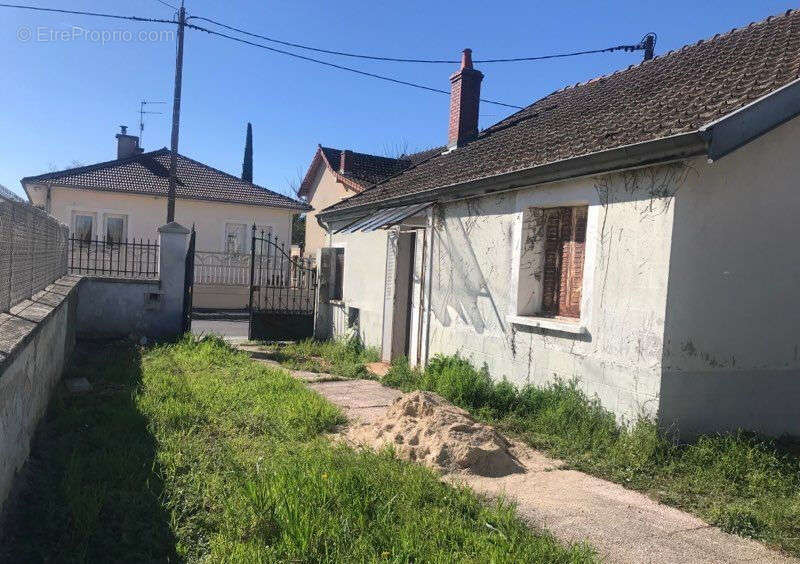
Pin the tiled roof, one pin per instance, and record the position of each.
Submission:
(148, 173)
(676, 93)
(364, 168)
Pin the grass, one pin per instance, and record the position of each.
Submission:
(192, 452)
(745, 484)
(346, 358)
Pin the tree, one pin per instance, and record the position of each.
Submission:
(247, 165)
(299, 230)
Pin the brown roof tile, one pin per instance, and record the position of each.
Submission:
(678, 92)
(148, 173)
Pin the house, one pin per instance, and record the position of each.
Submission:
(336, 174)
(127, 198)
(636, 233)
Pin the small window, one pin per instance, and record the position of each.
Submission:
(551, 262)
(564, 250)
(116, 231)
(235, 237)
(338, 274)
(83, 227)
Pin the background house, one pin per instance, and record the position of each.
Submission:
(336, 174)
(634, 233)
(126, 198)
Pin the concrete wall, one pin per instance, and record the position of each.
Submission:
(145, 214)
(325, 191)
(732, 331)
(364, 268)
(36, 340)
(219, 296)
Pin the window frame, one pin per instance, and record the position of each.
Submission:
(243, 247)
(528, 263)
(337, 290)
(93, 229)
(124, 218)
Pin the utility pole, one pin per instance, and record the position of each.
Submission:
(176, 118)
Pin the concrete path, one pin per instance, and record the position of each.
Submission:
(623, 525)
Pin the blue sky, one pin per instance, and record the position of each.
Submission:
(61, 101)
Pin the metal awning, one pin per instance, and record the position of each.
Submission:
(383, 218)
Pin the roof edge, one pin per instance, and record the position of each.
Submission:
(656, 151)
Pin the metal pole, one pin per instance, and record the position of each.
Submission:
(252, 280)
(176, 118)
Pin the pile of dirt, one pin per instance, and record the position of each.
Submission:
(424, 427)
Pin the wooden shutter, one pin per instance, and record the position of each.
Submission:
(552, 260)
(565, 245)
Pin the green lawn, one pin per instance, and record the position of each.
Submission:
(344, 358)
(192, 451)
(743, 483)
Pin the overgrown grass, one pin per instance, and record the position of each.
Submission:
(743, 483)
(346, 357)
(192, 452)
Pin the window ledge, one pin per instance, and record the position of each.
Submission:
(573, 327)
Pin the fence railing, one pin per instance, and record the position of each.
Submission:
(127, 259)
(33, 251)
(233, 269)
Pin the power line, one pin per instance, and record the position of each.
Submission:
(168, 5)
(341, 67)
(627, 48)
(81, 13)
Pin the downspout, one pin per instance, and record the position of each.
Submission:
(426, 322)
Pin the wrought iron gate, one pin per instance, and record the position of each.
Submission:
(188, 284)
(282, 291)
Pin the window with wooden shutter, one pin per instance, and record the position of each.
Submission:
(564, 250)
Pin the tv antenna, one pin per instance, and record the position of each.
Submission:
(142, 113)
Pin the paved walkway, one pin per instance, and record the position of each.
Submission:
(623, 525)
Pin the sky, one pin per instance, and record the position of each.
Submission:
(69, 81)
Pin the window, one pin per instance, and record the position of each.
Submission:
(235, 237)
(83, 226)
(338, 274)
(564, 250)
(116, 228)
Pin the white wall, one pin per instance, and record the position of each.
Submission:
(733, 321)
(147, 213)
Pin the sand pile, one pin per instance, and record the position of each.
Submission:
(425, 428)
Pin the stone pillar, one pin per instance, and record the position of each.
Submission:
(174, 242)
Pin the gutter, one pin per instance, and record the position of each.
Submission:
(641, 154)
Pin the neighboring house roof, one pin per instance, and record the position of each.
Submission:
(680, 92)
(148, 173)
(9, 195)
(361, 169)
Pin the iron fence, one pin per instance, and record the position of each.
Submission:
(33, 251)
(105, 257)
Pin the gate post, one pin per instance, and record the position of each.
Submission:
(252, 280)
(172, 273)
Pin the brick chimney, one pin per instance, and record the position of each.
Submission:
(127, 145)
(465, 94)
(344, 161)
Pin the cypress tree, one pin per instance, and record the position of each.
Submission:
(247, 165)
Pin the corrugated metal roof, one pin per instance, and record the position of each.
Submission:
(383, 218)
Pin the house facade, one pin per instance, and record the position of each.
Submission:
(336, 174)
(634, 234)
(127, 198)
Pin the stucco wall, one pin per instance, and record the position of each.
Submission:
(364, 275)
(477, 245)
(147, 213)
(732, 331)
(325, 191)
(35, 344)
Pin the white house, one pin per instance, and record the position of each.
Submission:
(636, 233)
(127, 198)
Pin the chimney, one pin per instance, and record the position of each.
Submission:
(465, 94)
(127, 145)
(344, 161)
